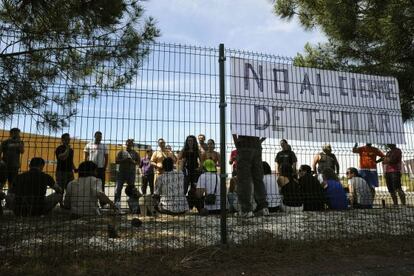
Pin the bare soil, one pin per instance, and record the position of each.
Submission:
(376, 256)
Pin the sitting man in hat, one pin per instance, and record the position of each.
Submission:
(209, 184)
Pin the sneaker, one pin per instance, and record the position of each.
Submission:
(262, 212)
(245, 214)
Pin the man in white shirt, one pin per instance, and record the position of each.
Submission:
(97, 152)
(169, 188)
(82, 194)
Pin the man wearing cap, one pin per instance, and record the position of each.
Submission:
(323, 160)
(210, 182)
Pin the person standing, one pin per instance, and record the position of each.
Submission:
(250, 170)
(202, 143)
(189, 160)
(392, 161)
(147, 173)
(159, 156)
(10, 152)
(97, 152)
(285, 156)
(368, 163)
(210, 153)
(65, 166)
(325, 159)
(127, 160)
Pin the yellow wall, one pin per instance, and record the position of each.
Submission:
(45, 146)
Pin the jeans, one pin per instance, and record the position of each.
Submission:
(250, 169)
(121, 178)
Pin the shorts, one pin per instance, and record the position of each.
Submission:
(393, 180)
(371, 177)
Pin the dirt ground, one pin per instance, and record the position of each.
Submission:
(378, 256)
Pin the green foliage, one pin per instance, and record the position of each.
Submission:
(364, 36)
(93, 47)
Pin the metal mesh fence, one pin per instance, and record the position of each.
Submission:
(176, 93)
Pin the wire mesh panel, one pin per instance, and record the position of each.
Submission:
(155, 176)
(312, 120)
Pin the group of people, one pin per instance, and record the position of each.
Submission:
(310, 188)
(188, 179)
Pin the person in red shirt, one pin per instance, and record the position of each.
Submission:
(392, 161)
(368, 163)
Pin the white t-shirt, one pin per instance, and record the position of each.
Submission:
(97, 153)
(274, 198)
(170, 188)
(361, 191)
(82, 195)
(208, 181)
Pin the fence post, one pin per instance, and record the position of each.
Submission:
(223, 175)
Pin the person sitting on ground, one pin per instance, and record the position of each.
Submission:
(334, 192)
(169, 190)
(82, 194)
(133, 199)
(290, 189)
(313, 195)
(209, 182)
(360, 192)
(272, 189)
(28, 194)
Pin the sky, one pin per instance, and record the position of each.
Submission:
(247, 25)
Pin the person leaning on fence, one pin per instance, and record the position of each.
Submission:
(368, 163)
(393, 165)
(28, 197)
(97, 152)
(82, 194)
(127, 160)
(250, 170)
(147, 173)
(208, 188)
(10, 152)
(360, 192)
(169, 188)
(324, 159)
(313, 194)
(274, 199)
(290, 189)
(65, 167)
(334, 192)
(285, 156)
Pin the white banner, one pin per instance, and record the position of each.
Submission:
(284, 101)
